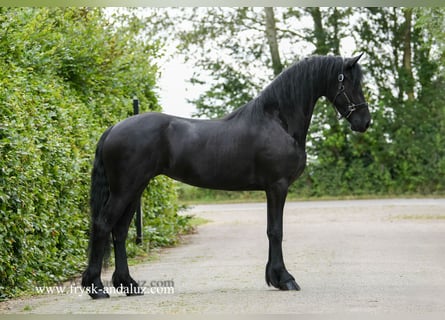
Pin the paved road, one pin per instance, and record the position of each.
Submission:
(372, 256)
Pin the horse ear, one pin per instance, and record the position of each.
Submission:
(353, 61)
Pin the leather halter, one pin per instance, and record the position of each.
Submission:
(351, 107)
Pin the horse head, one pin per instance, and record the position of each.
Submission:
(348, 96)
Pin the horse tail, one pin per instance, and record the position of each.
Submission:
(100, 189)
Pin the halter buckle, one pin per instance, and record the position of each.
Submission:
(341, 77)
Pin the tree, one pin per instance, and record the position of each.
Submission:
(271, 35)
(225, 44)
(408, 119)
(217, 43)
(239, 50)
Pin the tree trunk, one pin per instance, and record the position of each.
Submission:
(320, 37)
(271, 35)
(407, 55)
(335, 37)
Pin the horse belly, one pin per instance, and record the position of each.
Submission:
(214, 170)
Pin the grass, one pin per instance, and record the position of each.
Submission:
(198, 221)
(189, 195)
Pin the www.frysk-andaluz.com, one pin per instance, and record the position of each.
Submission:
(144, 287)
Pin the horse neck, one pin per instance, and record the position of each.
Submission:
(294, 94)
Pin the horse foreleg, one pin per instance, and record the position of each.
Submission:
(276, 273)
(121, 276)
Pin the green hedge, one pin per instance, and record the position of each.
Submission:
(65, 76)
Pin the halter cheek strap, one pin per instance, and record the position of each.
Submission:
(351, 107)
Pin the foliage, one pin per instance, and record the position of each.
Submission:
(403, 151)
(235, 67)
(409, 120)
(65, 75)
(190, 194)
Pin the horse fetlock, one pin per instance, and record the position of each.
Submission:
(280, 278)
(124, 283)
(93, 286)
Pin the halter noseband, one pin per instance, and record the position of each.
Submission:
(351, 105)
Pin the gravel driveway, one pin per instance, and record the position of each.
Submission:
(371, 256)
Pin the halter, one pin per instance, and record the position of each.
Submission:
(351, 105)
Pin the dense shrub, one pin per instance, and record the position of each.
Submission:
(65, 75)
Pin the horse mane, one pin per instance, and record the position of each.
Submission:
(300, 84)
(298, 87)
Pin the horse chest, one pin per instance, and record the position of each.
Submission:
(281, 160)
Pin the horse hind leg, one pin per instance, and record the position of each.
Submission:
(121, 277)
(99, 240)
(91, 280)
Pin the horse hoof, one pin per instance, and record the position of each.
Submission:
(99, 294)
(290, 285)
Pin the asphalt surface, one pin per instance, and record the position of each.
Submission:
(367, 256)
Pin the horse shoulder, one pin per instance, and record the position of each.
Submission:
(280, 152)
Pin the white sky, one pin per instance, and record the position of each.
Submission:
(175, 89)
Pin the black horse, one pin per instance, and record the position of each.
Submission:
(260, 146)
